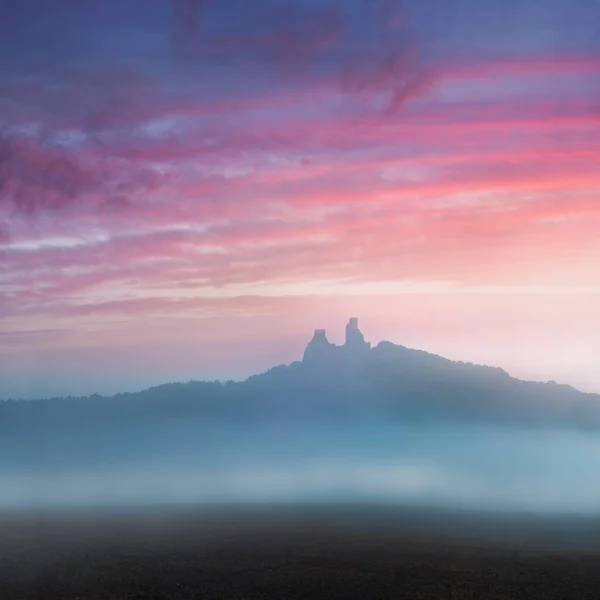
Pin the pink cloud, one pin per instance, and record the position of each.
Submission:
(473, 159)
(386, 247)
(35, 178)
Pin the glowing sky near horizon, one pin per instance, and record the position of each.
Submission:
(189, 187)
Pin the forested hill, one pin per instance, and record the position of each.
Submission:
(390, 381)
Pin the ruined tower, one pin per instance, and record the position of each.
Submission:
(319, 347)
(355, 342)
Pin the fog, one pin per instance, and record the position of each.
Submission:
(446, 464)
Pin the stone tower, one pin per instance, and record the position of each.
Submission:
(319, 347)
(354, 338)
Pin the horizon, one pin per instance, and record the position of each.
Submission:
(371, 346)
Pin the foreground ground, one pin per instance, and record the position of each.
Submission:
(333, 552)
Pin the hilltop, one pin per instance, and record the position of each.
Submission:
(386, 380)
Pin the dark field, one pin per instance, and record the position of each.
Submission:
(282, 552)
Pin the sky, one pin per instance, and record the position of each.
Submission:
(189, 187)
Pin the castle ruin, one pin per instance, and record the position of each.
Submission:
(320, 348)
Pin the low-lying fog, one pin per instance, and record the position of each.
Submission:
(473, 466)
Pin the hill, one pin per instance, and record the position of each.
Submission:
(388, 380)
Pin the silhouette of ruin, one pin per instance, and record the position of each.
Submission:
(321, 349)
